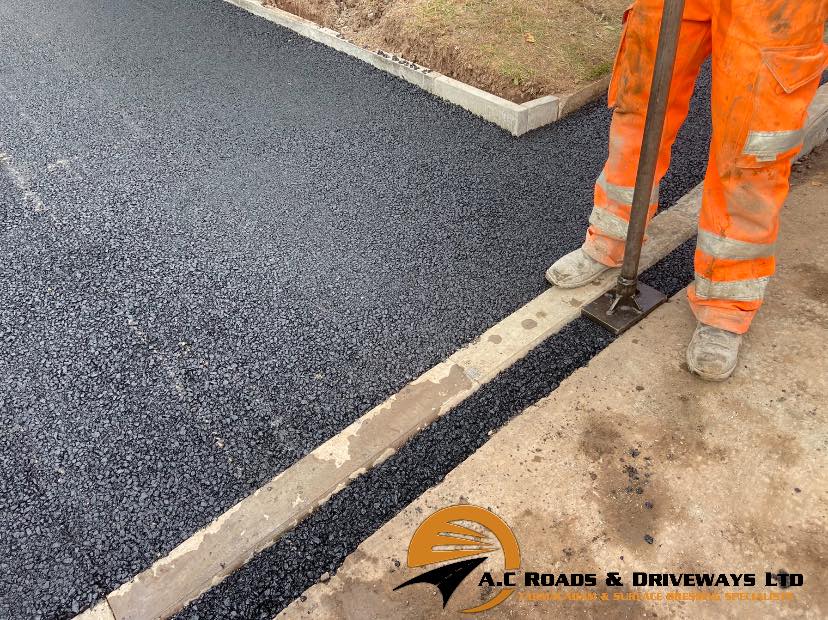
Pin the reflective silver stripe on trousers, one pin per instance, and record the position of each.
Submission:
(737, 290)
(721, 247)
(768, 145)
(608, 223)
(621, 193)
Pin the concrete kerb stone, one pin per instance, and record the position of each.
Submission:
(101, 611)
(542, 111)
(515, 118)
(511, 116)
(256, 522)
(572, 101)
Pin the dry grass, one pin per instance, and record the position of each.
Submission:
(518, 49)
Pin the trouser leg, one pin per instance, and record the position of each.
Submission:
(766, 69)
(629, 94)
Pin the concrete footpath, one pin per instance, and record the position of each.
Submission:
(632, 465)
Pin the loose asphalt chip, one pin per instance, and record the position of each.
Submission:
(221, 244)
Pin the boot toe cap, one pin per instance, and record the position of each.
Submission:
(713, 353)
(574, 270)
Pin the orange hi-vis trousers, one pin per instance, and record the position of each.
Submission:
(767, 59)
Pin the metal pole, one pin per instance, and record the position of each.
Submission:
(653, 130)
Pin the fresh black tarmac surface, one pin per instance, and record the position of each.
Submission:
(221, 243)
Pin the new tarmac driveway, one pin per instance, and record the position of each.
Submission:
(221, 243)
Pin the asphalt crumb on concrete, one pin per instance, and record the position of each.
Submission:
(320, 544)
(222, 243)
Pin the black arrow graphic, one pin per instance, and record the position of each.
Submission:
(447, 577)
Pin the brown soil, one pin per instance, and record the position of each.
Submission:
(518, 49)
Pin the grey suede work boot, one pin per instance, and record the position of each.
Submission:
(574, 270)
(712, 352)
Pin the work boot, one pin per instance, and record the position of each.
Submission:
(574, 270)
(712, 352)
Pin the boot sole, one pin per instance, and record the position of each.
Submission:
(718, 378)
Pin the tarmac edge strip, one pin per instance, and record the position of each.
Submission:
(256, 522)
